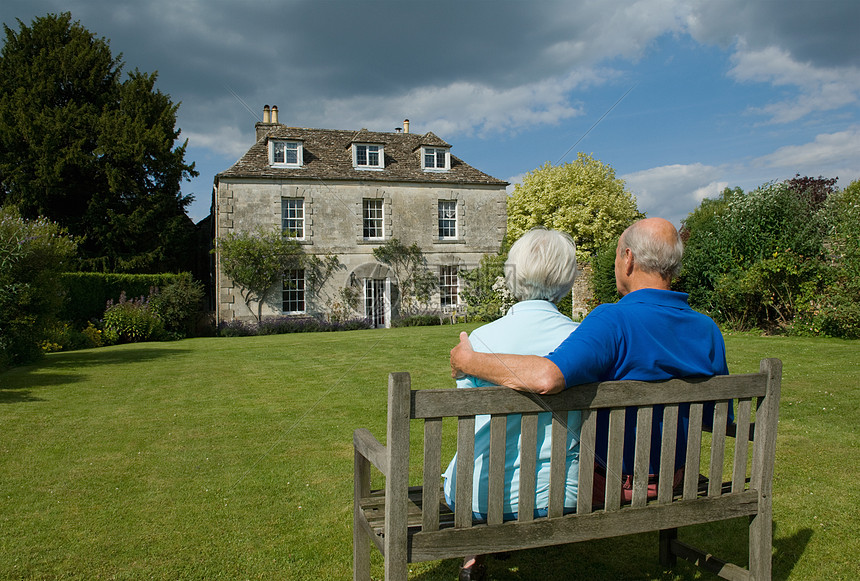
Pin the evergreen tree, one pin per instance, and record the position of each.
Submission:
(95, 153)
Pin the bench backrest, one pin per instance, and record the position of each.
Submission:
(755, 397)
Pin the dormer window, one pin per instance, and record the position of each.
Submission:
(368, 156)
(285, 153)
(435, 159)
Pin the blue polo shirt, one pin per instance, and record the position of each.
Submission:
(650, 334)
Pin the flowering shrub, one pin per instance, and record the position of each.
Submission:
(131, 321)
(286, 324)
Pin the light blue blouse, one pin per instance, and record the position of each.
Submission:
(529, 328)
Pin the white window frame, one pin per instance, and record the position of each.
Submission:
(293, 211)
(445, 221)
(449, 287)
(294, 296)
(275, 144)
(434, 153)
(367, 151)
(372, 218)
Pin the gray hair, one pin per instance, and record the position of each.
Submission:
(654, 254)
(541, 265)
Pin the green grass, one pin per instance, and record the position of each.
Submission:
(232, 459)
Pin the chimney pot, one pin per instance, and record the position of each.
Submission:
(406, 126)
(274, 113)
(266, 114)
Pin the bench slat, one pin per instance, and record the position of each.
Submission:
(432, 403)
(432, 472)
(587, 436)
(496, 492)
(448, 543)
(667, 454)
(742, 421)
(642, 455)
(465, 471)
(718, 446)
(694, 451)
(558, 462)
(528, 463)
(614, 457)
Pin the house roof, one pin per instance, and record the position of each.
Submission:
(327, 155)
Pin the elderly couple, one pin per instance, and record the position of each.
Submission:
(650, 334)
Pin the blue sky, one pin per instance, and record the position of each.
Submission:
(696, 95)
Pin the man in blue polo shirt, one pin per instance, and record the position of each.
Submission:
(650, 334)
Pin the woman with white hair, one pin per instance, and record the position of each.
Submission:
(539, 271)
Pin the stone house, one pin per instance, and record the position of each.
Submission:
(346, 192)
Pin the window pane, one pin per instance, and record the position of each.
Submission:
(447, 218)
(448, 286)
(373, 155)
(372, 220)
(293, 217)
(360, 155)
(429, 158)
(294, 291)
(278, 152)
(292, 153)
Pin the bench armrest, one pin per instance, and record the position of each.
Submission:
(369, 447)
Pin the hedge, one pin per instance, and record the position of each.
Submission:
(87, 293)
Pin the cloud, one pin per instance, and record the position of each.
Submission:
(673, 191)
(826, 151)
(820, 89)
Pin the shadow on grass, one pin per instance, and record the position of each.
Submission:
(787, 552)
(61, 369)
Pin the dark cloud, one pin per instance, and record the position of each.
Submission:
(823, 33)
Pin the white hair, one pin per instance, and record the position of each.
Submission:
(541, 265)
(654, 254)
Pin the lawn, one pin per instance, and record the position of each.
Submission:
(232, 459)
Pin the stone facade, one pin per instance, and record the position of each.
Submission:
(337, 201)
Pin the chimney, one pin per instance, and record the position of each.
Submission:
(270, 118)
(406, 126)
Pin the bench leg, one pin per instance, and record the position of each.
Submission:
(360, 540)
(667, 557)
(761, 545)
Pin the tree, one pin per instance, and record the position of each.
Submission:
(33, 253)
(755, 259)
(257, 261)
(95, 153)
(414, 282)
(582, 198)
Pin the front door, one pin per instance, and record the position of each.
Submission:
(376, 301)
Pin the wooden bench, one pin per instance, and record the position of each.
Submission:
(412, 524)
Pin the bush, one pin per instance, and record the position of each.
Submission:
(177, 303)
(131, 321)
(287, 324)
(32, 254)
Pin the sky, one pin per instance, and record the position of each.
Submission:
(682, 98)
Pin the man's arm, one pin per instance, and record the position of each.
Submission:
(521, 372)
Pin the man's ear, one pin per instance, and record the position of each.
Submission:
(628, 262)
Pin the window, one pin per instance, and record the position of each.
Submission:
(372, 221)
(368, 156)
(435, 158)
(449, 286)
(447, 219)
(293, 218)
(285, 153)
(294, 291)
